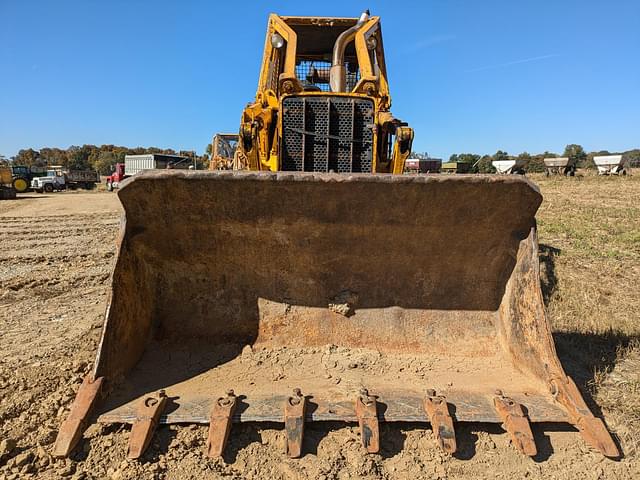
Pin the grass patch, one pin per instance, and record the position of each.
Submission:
(589, 230)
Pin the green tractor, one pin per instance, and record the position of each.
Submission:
(22, 176)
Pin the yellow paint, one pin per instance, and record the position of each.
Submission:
(20, 184)
(261, 121)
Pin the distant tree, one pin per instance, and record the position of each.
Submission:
(204, 160)
(78, 158)
(468, 157)
(632, 157)
(500, 155)
(525, 158)
(27, 157)
(471, 158)
(536, 163)
(420, 155)
(105, 162)
(485, 166)
(100, 158)
(577, 153)
(52, 156)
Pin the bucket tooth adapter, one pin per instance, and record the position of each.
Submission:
(373, 297)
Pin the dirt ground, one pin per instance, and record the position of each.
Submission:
(56, 253)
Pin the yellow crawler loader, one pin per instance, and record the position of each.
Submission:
(223, 148)
(311, 283)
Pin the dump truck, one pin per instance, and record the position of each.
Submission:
(223, 150)
(297, 289)
(59, 178)
(149, 161)
(7, 191)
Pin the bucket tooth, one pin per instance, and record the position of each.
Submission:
(592, 429)
(367, 413)
(294, 412)
(147, 415)
(220, 424)
(516, 423)
(73, 427)
(441, 422)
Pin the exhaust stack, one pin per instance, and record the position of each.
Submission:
(338, 73)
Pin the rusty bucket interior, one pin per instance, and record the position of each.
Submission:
(398, 288)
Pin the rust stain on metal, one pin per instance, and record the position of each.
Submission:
(294, 413)
(220, 424)
(147, 415)
(438, 412)
(516, 423)
(72, 428)
(367, 413)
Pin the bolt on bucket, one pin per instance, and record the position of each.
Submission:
(248, 297)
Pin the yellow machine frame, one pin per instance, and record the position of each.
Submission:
(261, 124)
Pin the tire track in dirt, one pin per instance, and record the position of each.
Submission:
(47, 263)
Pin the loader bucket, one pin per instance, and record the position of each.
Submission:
(381, 298)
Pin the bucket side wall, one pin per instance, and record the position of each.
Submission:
(523, 327)
(130, 310)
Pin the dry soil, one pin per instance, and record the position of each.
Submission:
(56, 252)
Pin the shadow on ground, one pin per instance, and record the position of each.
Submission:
(582, 354)
(548, 278)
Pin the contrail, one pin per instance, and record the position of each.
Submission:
(515, 62)
(434, 40)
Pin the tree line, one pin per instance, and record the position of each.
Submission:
(535, 162)
(103, 158)
(91, 157)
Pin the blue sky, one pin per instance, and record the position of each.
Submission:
(469, 76)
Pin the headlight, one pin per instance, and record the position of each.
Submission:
(277, 41)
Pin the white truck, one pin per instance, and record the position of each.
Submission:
(58, 179)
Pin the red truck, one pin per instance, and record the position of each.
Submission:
(116, 177)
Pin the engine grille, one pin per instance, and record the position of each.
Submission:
(327, 133)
